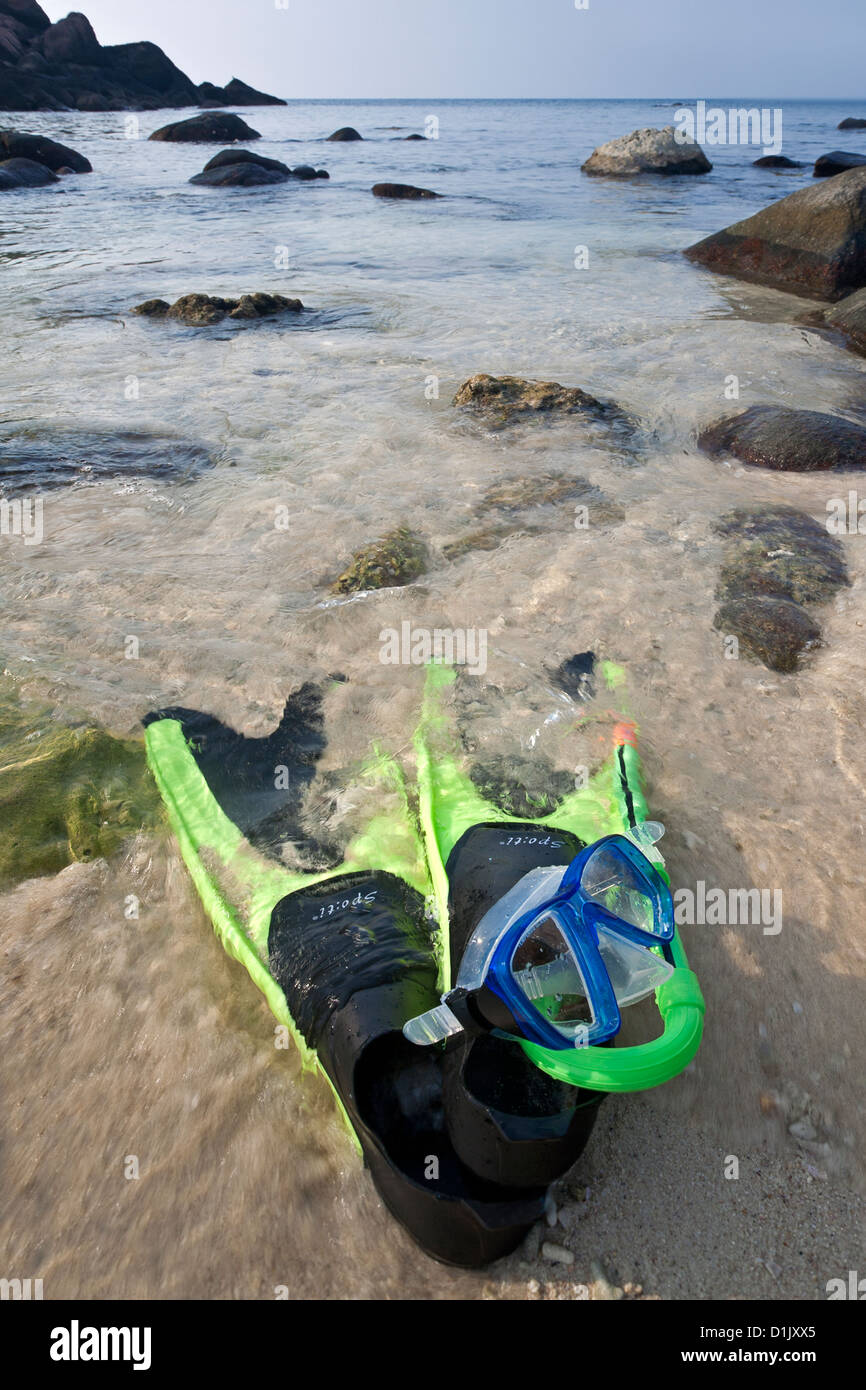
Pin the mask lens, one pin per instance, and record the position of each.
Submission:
(545, 969)
(610, 880)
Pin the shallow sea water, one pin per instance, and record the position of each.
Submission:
(123, 1038)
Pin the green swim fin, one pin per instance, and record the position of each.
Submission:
(517, 1112)
(344, 956)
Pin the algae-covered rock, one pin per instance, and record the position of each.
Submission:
(66, 793)
(549, 489)
(395, 559)
(774, 630)
(199, 310)
(776, 559)
(525, 787)
(515, 498)
(511, 397)
(485, 538)
(779, 552)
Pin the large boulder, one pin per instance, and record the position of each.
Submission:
(852, 123)
(210, 128)
(16, 145)
(800, 441)
(402, 190)
(837, 162)
(70, 40)
(345, 134)
(813, 242)
(848, 317)
(24, 173)
(648, 151)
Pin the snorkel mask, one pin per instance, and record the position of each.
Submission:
(565, 950)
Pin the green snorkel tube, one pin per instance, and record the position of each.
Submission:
(450, 805)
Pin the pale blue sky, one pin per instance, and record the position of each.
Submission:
(508, 48)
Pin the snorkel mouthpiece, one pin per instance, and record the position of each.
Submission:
(555, 960)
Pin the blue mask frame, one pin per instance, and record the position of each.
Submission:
(578, 917)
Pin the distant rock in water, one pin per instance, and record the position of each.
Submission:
(509, 397)
(799, 441)
(199, 310)
(345, 133)
(813, 242)
(35, 460)
(776, 161)
(852, 123)
(402, 190)
(16, 145)
(837, 162)
(848, 316)
(24, 173)
(647, 151)
(236, 93)
(63, 67)
(243, 168)
(217, 127)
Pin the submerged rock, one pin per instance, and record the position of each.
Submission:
(848, 316)
(509, 397)
(485, 538)
(800, 441)
(647, 151)
(396, 559)
(837, 162)
(516, 497)
(779, 552)
(402, 190)
(197, 310)
(774, 630)
(776, 559)
(520, 786)
(38, 459)
(24, 173)
(812, 242)
(14, 144)
(66, 794)
(345, 133)
(216, 127)
(546, 489)
(776, 161)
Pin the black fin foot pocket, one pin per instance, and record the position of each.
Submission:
(354, 957)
